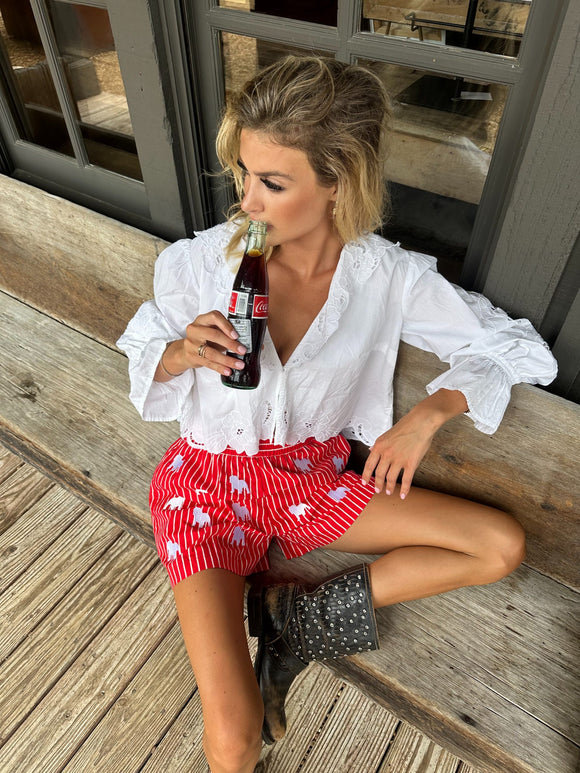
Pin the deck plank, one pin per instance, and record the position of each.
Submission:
(142, 713)
(413, 752)
(23, 542)
(51, 577)
(62, 720)
(9, 463)
(353, 736)
(19, 491)
(52, 647)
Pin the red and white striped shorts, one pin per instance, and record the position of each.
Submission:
(222, 510)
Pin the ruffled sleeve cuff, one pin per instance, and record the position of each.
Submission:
(158, 401)
(144, 342)
(486, 387)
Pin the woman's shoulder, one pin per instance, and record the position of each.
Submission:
(373, 252)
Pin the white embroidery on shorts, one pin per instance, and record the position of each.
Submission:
(338, 464)
(175, 503)
(173, 550)
(241, 511)
(200, 518)
(304, 465)
(238, 537)
(338, 493)
(177, 463)
(238, 484)
(299, 510)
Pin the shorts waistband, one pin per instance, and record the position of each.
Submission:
(267, 448)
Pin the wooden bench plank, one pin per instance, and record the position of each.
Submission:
(48, 651)
(67, 250)
(33, 532)
(68, 714)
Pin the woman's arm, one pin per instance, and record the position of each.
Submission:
(402, 447)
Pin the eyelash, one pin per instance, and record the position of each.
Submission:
(271, 186)
(268, 183)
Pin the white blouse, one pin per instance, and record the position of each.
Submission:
(340, 376)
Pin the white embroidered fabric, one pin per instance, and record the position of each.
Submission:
(340, 377)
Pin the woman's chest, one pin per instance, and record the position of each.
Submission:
(294, 305)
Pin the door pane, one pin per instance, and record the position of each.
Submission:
(495, 26)
(318, 12)
(243, 56)
(443, 136)
(28, 81)
(87, 49)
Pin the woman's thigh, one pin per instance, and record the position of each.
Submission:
(210, 605)
(429, 518)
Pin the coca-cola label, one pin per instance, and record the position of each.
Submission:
(260, 310)
(238, 303)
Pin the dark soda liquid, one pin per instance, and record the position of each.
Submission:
(248, 313)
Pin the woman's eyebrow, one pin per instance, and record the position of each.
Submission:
(265, 174)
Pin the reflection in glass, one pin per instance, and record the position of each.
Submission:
(319, 12)
(495, 26)
(443, 136)
(87, 49)
(31, 92)
(243, 56)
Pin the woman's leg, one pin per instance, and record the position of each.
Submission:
(210, 605)
(432, 543)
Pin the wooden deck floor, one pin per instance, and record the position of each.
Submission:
(94, 675)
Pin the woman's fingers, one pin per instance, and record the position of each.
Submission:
(208, 339)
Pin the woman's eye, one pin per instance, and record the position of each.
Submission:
(271, 186)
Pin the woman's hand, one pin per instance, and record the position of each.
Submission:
(402, 447)
(207, 340)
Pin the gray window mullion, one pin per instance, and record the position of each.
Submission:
(435, 58)
(44, 25)
(348, 23)
(274, 28)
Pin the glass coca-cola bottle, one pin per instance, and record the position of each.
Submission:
(248, 309)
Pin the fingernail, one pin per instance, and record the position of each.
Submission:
(387, 492)
(239, 365)
(403, 496)
(377, 489)
(227, 372)
(241, 349)
(234, 334)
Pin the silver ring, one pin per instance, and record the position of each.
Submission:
(202, 348)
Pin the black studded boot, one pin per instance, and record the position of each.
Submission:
(295, 625)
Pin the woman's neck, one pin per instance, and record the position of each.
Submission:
(309, 260)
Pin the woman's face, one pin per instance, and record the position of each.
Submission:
(281, 189)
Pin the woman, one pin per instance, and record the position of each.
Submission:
(305, 141)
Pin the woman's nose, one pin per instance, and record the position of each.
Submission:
(251, 203)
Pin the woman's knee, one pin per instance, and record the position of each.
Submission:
(233, 744)
(505, 547)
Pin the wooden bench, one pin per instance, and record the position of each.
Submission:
(491, 673)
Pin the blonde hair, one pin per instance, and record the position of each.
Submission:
(337, 114)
